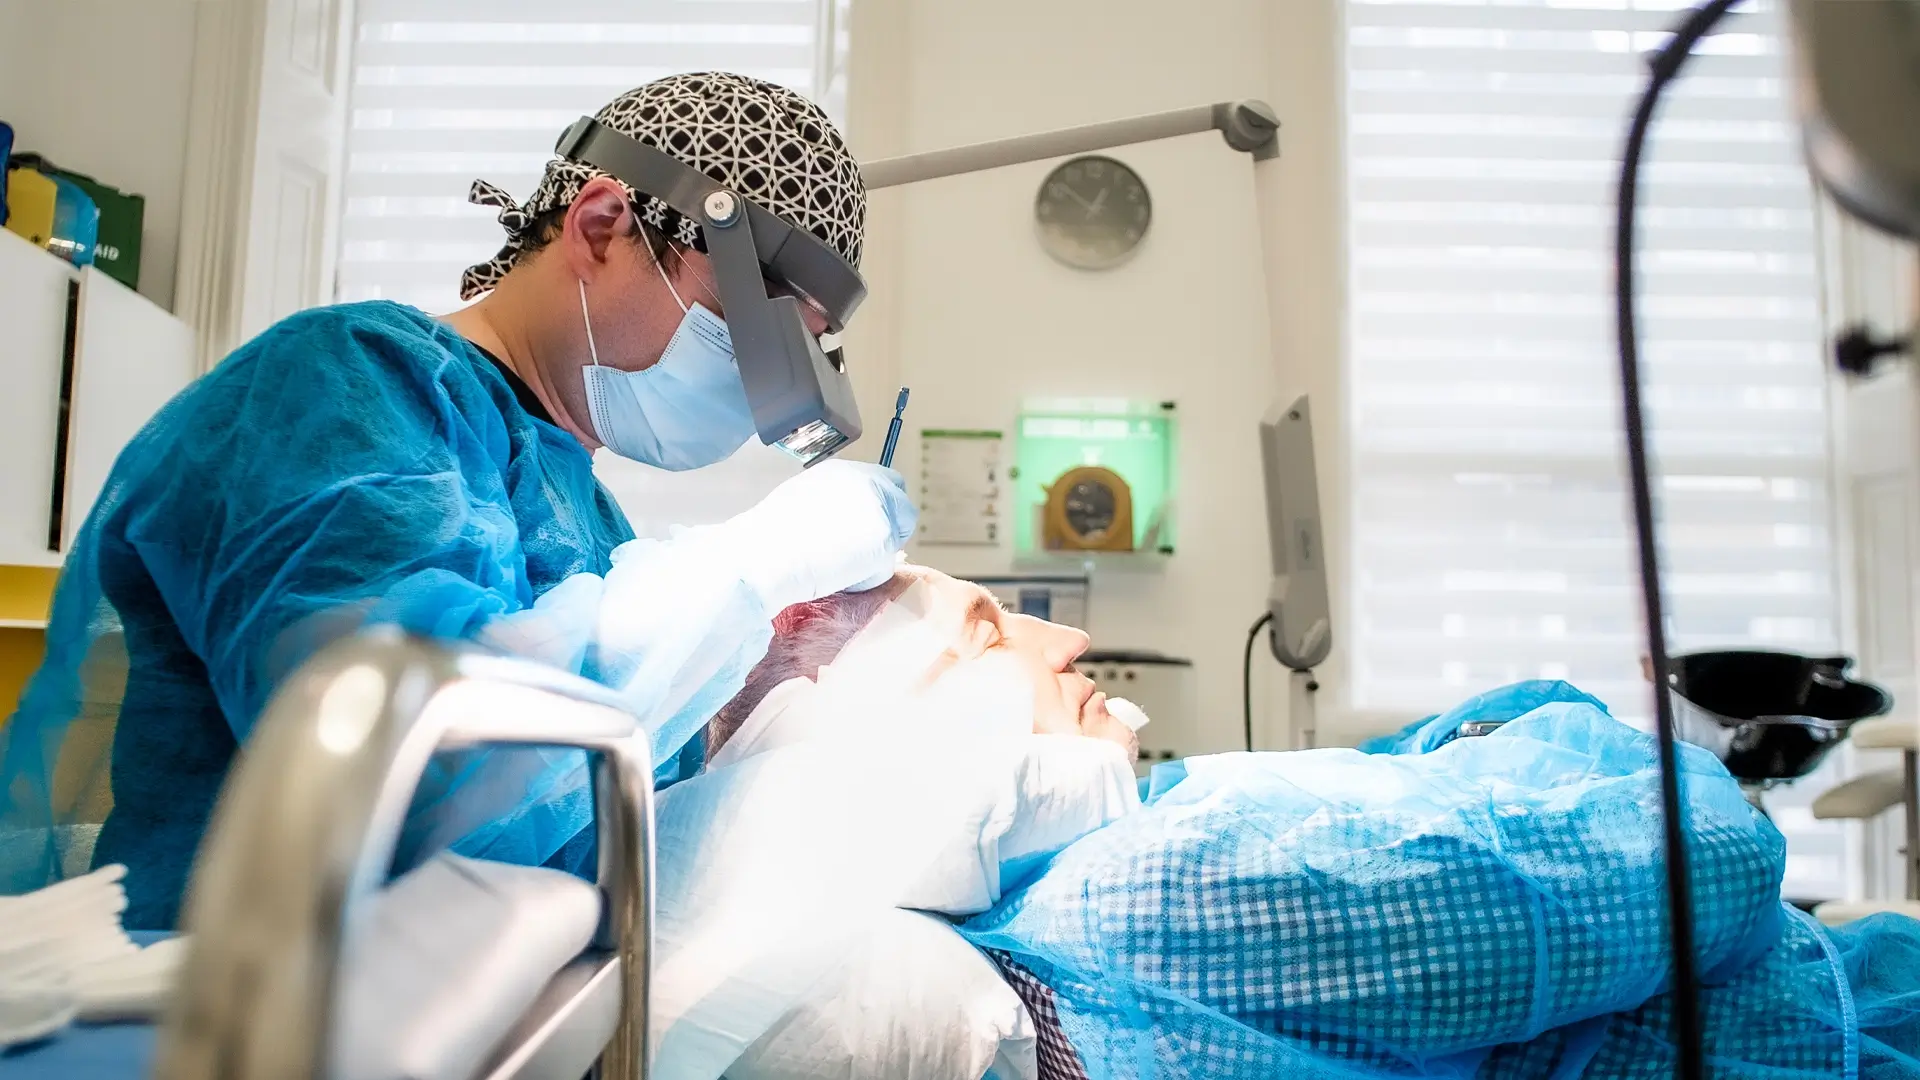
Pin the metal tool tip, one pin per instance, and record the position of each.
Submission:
(900, 403)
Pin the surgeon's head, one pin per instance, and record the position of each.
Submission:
(967, 656)
(598, 281)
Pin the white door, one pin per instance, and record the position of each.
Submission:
(296, 161)
(268, 126)
(1871, 279)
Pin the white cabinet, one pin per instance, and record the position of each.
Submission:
(85, 363)
(35, 291)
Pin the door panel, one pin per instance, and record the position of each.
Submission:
(1871, 279)
(300, 131)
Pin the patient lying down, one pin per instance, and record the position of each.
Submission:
(916, 805)
(954, 648)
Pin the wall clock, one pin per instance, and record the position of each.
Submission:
(1092, 212)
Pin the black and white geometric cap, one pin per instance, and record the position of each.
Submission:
(761, 140)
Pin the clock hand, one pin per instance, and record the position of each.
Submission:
(1076, 197)
(1093, 210)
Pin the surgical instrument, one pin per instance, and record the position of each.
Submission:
(893, 430)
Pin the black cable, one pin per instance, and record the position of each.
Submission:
(1665, 66)
(1246, 676)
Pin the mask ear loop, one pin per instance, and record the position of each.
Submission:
(592, 350)
(662, 271)
(809, 301)
(697, 276)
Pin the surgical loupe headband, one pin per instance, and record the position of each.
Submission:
(801, 397)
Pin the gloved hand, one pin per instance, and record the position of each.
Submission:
(835, 527)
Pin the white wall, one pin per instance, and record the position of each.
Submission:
(100, 87)
(14, 56)
(969, 311)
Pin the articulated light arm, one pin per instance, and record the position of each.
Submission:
(1248, 126)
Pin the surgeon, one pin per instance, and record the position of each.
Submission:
(372, 464)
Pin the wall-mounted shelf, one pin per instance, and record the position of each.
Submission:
(1091, 562)
(46, 560)
(23, 624)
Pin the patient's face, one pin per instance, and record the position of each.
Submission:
(993, 644)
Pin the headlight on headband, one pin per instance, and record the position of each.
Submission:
(815, 440)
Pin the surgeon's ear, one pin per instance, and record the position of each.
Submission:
(599, 218)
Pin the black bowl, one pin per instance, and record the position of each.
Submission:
(1780, 713)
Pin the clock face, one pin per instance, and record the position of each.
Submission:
(1092, 212)
(1090, 508)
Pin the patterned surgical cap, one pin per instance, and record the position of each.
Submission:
(763, 141)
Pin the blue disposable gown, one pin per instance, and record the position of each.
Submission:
(352, 465)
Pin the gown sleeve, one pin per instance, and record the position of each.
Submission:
(358, 474)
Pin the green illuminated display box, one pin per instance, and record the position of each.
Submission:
(1093, 475)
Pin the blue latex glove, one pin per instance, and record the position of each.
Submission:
(835, 527)
(675, 625)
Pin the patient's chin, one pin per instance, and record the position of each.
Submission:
(1097, 723)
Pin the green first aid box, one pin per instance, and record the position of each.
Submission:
(121, 219)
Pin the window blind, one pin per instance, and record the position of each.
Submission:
(1490, 515)
(449, 91)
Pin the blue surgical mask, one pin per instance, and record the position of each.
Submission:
(687, 411)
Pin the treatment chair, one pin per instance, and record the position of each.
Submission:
(293, 867)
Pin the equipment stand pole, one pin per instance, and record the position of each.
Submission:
(1912, 762)
(1301, 714)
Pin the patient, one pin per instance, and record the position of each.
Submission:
(1490, 908)
(975, 649)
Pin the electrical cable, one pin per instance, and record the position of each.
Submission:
(1246, 676)
(1664, 67)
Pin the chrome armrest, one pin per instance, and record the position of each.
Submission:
(308, 820)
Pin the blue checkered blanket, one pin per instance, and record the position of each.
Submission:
(1489, 906)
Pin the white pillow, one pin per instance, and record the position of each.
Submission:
(914, 1001)
(1029, 796)
(773, 870)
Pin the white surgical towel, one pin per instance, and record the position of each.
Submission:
(444, 961)
(64, 956)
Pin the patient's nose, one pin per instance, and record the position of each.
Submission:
(1064, 645)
